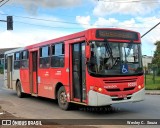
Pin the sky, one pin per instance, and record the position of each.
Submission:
(40, 20)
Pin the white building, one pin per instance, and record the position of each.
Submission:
(146, 60)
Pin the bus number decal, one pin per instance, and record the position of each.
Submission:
(133, 84)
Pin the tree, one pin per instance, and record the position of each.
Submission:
(156, 57)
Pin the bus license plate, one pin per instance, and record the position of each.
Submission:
(122, 96)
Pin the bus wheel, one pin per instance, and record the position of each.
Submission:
(62, 99)
(19, 90)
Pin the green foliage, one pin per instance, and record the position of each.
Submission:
(156, 58)
(150, 83)
(1, 71)
(158, 72)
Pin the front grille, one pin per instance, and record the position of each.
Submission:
(117, 89)
(120, 81)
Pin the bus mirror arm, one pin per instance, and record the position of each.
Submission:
(88, 52)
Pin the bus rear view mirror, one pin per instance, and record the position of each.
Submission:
(88, 51)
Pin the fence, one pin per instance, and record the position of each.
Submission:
(1, 68)
(152, 80)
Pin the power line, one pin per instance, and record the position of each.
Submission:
(4, 3)
(66, 23)
(58, 21)
(150, 30)
(40, 19)
(72, 23)
(45, 25)
(133, 1)
(72, 27)
(77, 27)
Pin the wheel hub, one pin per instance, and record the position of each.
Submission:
(63, 98)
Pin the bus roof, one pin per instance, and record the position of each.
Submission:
(64, 38)
(72, 36)
(14, 50)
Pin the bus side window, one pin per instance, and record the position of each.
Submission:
(17, 60)
(57, 59)
(24, 59)
(44, 61)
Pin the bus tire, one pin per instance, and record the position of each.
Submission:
(62, 99)
(20, 94)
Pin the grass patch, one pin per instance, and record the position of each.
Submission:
(1, 71)
(150, 85)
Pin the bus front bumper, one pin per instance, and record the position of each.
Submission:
(98, 99)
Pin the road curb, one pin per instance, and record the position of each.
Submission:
(152, 94)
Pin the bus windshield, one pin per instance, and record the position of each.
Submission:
(110, 58)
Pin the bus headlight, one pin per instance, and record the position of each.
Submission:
(139, 86)
(98, 89)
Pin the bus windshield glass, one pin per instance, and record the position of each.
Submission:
(110, 58)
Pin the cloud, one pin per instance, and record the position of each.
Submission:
(21, 39)
(138, 24)
(32, 5)
(84, 21)
(138, 7)
(102, 22)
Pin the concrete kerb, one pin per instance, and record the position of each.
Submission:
(152, 92)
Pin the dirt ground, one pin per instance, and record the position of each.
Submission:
(6, 115)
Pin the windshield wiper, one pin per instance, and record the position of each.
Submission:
(109, 50)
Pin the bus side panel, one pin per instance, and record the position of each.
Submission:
(48, 78)
(5, 78)
(45, 88)
(15, 77)
(59, 75)
(24, 74)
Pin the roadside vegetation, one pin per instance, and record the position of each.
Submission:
(1, 70)
(152, 82)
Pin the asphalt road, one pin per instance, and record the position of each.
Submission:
(42, 108)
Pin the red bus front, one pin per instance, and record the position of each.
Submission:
(114, 72)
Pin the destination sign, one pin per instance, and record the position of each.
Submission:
(116, 34)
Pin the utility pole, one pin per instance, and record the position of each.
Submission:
(9, 22)
(150, 30)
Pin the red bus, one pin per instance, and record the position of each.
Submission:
(95, 67)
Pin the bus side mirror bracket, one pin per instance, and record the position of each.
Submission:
(88, 52)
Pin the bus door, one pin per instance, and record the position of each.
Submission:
(9, 71)
(78, 73)
(33, 57)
